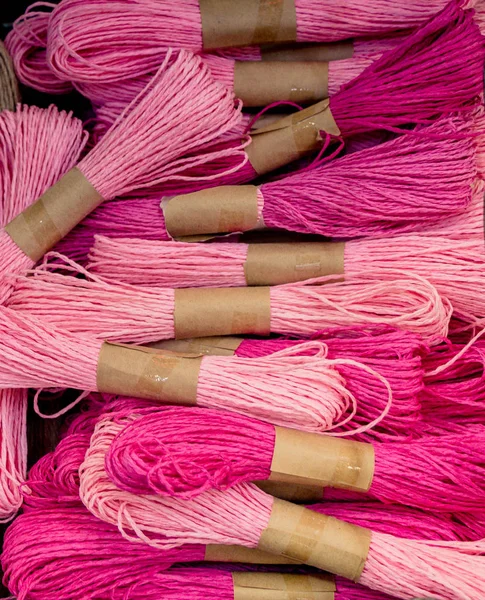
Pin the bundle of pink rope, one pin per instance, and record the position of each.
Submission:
(80, 50)
(243, 514)
(185, 452)
(139, 314)
(29, 167)
(159, 118)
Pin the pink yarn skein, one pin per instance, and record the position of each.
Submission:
(27, 45)
(72, 41)
(208, 109)
(89, 558)
(288, 388)
(401, 567)
(126, 313)
(29, 167)
(185, 452)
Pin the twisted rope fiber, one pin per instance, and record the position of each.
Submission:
(101, 563)
(125, 313)
(286, 388)
(454, 266)
(37, 146)
(46, 547)
(400, 567)
(27, 45)
(159, 143)
(185, 452)
(81, 49)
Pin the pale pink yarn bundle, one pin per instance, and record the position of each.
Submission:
(138, 314)
(172, 120)
(456, 267)
(27, 44)
(401, 567)
(297, 386)
(79, 26)
(29, 167)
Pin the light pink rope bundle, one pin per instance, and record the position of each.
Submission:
(401, 567)
(171, 120)
(456, 267)
(122, 312)
(182, 453)
(291, 387)
(27, 44)
(79, 26)
(28, 167)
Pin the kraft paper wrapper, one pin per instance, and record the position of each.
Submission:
(227, 23)
(276, 264)
(240, 554)
(299, 494)
(208, 346)
(229, 208)
(277, 586)
(40, 226)
(321, 460)
(147, 373)
(290, 138)
(9, 88)
(204, 312)
(299, 52)
(259, 83)
(316, 540)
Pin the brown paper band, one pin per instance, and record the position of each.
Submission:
(207, 346)
(222, 311)
(9, 88)
(146, 373)
(305, 52)
(316, 540)
(227, 23)
(277, 586)
(40, 226)
(222, 209)
(276, 264)
(259, 83)
(320, 460)
(299, 494)
(239, 554)
(290, 138)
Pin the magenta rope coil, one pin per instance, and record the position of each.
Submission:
(401, 567)
(214, 451)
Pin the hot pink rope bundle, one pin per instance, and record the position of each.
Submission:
(89, 558)
(27, 44)
(185, 452)
(28, 167)
(289, 387)
(122, 312)
(401, 567)
(454, 396)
